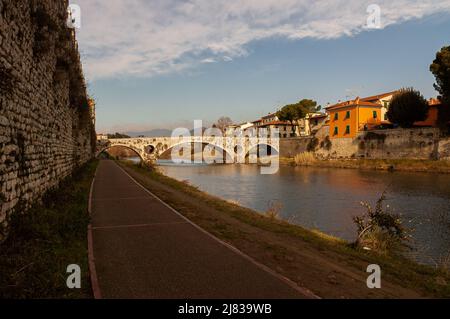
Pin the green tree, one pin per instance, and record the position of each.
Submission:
(407, 106)
(293, 112)
(117, 135)
(441, 70)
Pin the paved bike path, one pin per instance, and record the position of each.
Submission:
(144, 249)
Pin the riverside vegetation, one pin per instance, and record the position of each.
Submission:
(406, 165)
(328, 266)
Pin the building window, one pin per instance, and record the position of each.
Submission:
(336, 116)
(385, 117)
(347, 129)
(375, 114)
(347, 115)
(336, 131)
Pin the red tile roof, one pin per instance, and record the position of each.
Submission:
(366, 101)
(318, 116)
(356, 102)
(269, 115)
(277, 123)
(378, 97)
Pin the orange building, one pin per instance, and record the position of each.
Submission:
(348, 118)
(433, 114)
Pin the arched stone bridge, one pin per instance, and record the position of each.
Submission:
(235, 149)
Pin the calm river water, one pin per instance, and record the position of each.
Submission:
(327, 199)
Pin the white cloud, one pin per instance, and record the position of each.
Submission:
(209, 60)
(150, 37)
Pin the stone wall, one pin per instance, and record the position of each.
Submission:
(444, 149)
(289, 147)
(416, 143)
(46, 125)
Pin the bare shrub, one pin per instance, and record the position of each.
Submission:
(443, 262)
(381, 230)
(274, 208)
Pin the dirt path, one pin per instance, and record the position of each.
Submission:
(327, 272)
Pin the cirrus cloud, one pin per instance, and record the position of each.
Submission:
(147, 38)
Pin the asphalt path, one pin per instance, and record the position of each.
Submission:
(142, 248)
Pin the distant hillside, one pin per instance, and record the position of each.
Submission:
(156, 133)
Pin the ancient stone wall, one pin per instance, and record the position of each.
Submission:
(444, 149)
(46, 127)
(416, 143)
(289, 147)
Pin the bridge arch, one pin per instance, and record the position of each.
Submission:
(137, 151)
(228, 154)
(270, 150)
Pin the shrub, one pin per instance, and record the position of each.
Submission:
(326, 143)
(312, 145)
(407, 106)
(45, 26)
(274, 209)
(381, 230)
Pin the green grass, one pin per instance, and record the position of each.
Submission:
(431, 281)
(46, 239)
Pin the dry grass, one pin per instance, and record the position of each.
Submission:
(305, 158)
(233, 202)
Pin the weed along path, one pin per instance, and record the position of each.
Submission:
(145, 249)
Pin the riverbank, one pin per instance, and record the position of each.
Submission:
(45, 240)
(326, 265)
(401, 165)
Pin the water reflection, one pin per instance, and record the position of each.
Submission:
(327, 199)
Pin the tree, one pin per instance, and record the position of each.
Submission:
(441, 70)
(294, 112)
(117, 135)
(223, 122)
(407, 106)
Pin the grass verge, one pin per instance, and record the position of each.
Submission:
(328, 266)
(46, 239)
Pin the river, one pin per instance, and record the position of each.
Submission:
(327, 199)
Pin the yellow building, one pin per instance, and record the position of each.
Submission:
(348, 118)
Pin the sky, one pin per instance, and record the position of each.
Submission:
(164, 63)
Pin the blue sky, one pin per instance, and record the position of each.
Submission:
(225, 73)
